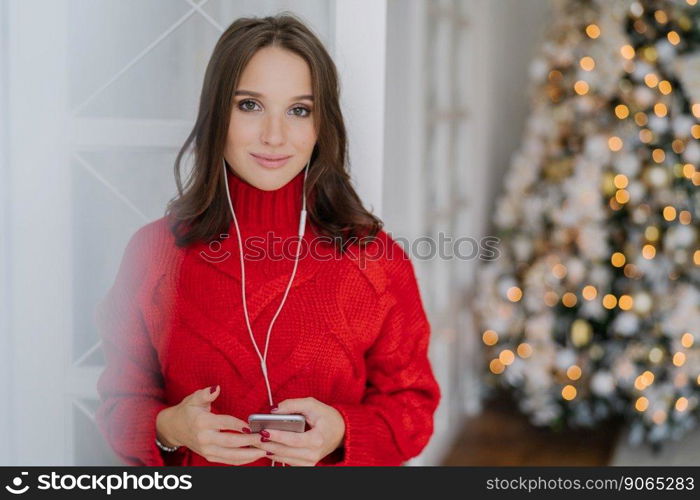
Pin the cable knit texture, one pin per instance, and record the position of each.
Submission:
(353, 334)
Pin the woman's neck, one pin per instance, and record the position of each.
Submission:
(258, 210)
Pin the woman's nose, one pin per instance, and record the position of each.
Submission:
(273, 131)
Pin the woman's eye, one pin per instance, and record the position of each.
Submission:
(304, 111)
(249, 105)
(242, 104)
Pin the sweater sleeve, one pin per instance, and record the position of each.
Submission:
(394, 421)
(131, 385)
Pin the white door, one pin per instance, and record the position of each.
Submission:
(102, 93)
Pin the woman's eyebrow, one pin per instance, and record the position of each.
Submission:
(258, 94)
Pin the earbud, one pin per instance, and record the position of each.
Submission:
(302, 223)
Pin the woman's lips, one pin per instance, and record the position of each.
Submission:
(270, 163)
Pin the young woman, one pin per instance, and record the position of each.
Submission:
(187, 327)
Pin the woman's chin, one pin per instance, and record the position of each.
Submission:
(270, 179)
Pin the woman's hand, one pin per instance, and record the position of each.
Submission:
(191, 423)
(305, 448)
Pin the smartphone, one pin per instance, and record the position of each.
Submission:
(282, 422)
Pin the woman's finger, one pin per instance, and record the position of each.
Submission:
(225, 422)
(309, 407)
(281, 450)
(234, 456)
(308, 439)
(291, 461)
(230, 440)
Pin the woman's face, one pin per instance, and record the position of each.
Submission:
(271, 116)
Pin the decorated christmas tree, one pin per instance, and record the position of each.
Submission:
(591, 308)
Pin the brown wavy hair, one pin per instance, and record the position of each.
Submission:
(199, 212)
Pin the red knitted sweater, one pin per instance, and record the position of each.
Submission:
(353, 334)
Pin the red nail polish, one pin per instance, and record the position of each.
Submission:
(212, 389)
(265, 433)
(264, 439)
(246, 430)
(274, 409)
(269, 453)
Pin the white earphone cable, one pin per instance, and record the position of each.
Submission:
(302, 226)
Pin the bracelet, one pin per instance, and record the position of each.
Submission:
(165, 448)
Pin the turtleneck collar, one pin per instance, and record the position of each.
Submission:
(262, 210)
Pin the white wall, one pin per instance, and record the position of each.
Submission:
(515, 29)
(508, 35)
(6, 438)
(502, 37)
(359, 57)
